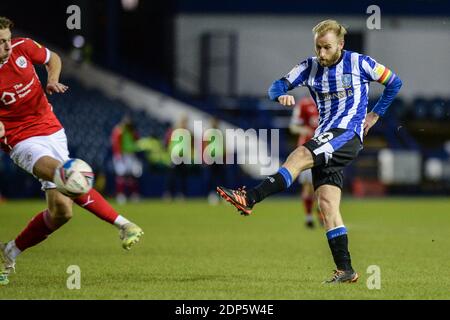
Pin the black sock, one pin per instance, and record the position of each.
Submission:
(341, 255)
(272, 184)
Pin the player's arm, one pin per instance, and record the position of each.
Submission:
(278, 92)
(38, 54)
(392, 82)
(53, 67)
(296, 77)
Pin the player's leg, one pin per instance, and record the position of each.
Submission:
(92, 201)
(136, 170)
(120, 181)
(308, 202)
(95, 203)
(300, 159)
(45, 167)
(121, 198)
(307, 196)
(38, 229)
(26, 154)
(47, 154)
(341, 146)
(320, 215)
(329, 197)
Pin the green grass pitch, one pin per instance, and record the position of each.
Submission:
(195, 251)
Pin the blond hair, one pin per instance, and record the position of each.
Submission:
(330, 25)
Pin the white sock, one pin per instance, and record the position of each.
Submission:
(309, 218)
(120, 221)
(11, 250)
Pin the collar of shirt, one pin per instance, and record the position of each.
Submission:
(2, 64)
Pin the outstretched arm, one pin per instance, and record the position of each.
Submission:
(296, 77)
(53, 71)
(278, 90)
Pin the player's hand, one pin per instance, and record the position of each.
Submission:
(371, 119)
(2, 129)
(56, 87)
(286, 100)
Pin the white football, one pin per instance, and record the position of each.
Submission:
(74, 178)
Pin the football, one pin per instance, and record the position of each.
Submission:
(74, 178)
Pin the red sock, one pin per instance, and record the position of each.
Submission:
(133, 185)
(36, 231)
(308, 203)
(95, 203)
(120, 184)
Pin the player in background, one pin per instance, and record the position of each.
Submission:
(177, 176)
(35, 140)
(216, 173)
(338, 80)
(304, 121)
(127, 166)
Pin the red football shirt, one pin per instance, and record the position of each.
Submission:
(24, 108)
(306, 114)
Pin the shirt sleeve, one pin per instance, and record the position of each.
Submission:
(298, 76)
(374, 71)
(35, 52)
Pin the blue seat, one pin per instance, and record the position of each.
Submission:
(438, 109)
(420, 108)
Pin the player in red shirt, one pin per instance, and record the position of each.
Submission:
(304, 121)
(35, 140)
(127, 166)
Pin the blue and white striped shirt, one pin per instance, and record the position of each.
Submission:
(341, 91)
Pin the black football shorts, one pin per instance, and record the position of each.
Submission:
(332, 151)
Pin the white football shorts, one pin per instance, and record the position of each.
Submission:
(27, 152)
(305, 177)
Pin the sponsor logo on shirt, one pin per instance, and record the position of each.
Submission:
(325, 96)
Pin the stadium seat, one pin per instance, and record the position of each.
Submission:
(89, 117)
(420, 108)
(438, 109)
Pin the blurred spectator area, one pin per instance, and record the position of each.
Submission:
(418, 128)
(89, 116)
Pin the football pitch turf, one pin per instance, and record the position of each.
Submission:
(192, 250)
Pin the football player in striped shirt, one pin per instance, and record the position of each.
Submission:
(338, 81)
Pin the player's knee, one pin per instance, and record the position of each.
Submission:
(300, 159)
(305, 157)
(61, 211)
(45, 168)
